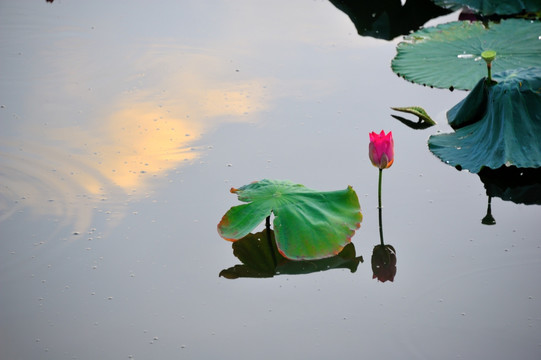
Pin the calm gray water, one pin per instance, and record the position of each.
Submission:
(124, 124)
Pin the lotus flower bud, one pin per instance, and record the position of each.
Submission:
(381, 149)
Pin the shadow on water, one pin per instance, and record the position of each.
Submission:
(261, 259)
(518, 185)
(389, 18)
(416, 125)
(383, 263)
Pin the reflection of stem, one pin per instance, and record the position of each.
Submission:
(379, 208)
(488, 219)
(271, 245)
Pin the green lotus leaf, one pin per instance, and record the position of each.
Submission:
(449, 55)
(491, 7)
(471, 109)
(496, 125)
(308, 224)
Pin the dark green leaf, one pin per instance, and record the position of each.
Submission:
(449, 55)
(504, 129)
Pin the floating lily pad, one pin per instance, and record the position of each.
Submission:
(449, 55)
(308, 224)
(491, 7)
(496, 125)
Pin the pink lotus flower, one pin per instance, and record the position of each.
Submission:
(381, 149)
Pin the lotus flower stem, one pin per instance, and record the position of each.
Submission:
(380, 207)
(381, 154)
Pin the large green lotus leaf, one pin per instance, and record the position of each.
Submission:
(308, 224)
(449, 55)
(491, 7)
(507, 130)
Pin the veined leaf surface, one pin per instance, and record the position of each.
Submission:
(308, 224)
(449, 55)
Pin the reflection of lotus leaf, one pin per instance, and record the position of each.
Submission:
(521, 186)
(260, 259)
(490, 7)
(258, 253)
(308, 224)
(495, 125)
(424, 119)
(389, 19)
(449, 55)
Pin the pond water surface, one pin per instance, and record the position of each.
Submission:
(124, 125)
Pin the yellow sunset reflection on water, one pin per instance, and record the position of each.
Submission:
(150, 138)
(128, 141)
(143, 140)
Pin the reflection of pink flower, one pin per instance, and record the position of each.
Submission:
(384, 263)
(381, 149)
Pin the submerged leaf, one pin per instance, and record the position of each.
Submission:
(308, 224)
(449, 55)
(496, 125)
